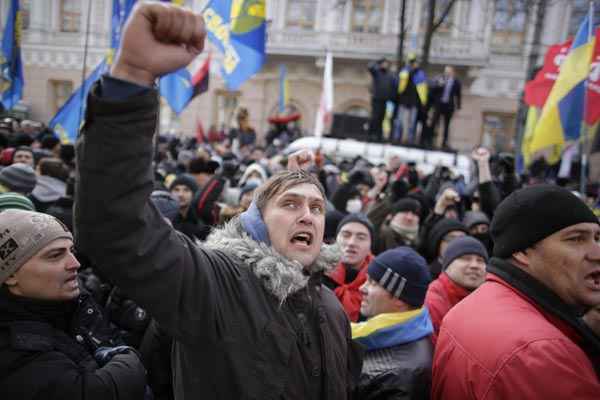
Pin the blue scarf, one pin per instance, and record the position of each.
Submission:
(254, 225)
(392, 329)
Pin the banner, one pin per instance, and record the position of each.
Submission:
(237, 28)
(326, 103)
(11, 66)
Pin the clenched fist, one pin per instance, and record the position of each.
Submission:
(158, 38)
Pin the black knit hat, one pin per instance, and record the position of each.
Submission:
(186, 180)
(473, 218)
(462, 246)
(403, 273)
(532, 214)
(407, 204)
(357, 217)
(437, 233)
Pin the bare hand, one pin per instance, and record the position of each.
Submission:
(448, 198)
(302, 159)
(381, 178)
(481, 155)
(158, 38)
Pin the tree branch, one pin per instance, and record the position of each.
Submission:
(445, 13)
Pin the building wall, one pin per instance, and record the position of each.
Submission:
(492, 70)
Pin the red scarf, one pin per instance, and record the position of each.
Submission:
(348, 293)
(454, 291)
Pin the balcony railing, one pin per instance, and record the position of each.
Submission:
(368, 45)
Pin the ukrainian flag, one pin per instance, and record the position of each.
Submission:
(283, 89)
(562, 116)
(11, 65)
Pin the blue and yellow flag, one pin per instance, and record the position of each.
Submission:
(563, 113)
(68, 119)
(237, 28)
(283, 89)
(11, 66)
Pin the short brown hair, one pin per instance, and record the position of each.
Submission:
(282, 181)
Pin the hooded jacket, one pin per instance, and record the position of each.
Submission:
(247, 323)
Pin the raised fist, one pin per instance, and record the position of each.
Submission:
(158, 39)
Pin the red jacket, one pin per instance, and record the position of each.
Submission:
(496, 344)
(348, 293)
(442, 295)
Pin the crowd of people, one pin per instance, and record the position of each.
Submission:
(416, 102)
(140, 268)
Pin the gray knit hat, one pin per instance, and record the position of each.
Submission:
(23, 234)
(18, 178)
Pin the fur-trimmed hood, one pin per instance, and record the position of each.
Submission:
(280, 276)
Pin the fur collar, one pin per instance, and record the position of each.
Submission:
(280, 276)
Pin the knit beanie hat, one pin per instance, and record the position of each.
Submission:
(186, 180)
(437, 233)
(531, 214)
(17, 201)
(403, 273)
(473, 218)
(18, 178)
(167, 204)
(361, 219)
(407, 204)
(462, 246)
(24, 234)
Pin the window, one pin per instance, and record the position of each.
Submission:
(509, 23)
(498, 131)
(579, 9)
(357, 111)
(70, 15)
(224, 110)
(440, 7)
(25, 12)
(60, 91)
(301, 14)
(367, 16)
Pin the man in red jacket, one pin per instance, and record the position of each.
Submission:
(354, 236)
(521, 335)
(463, 270)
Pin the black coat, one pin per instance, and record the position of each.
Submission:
(401, 372)
(46, 353)
(246, 322)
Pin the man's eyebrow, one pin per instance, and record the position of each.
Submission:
(301, 196)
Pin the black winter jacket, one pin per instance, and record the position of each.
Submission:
(401, 372)
(246, 322)
(46, 353)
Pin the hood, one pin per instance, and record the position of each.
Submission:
(48, 189)
(279, 276)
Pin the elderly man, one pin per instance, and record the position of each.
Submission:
(51, 336)
(520, 335)
(355, 233)
(248, 314)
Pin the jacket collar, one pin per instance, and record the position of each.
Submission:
(543, 298)
(279, 276)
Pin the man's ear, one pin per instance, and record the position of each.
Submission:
(11, 280)
(521, 257)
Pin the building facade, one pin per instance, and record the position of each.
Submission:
(489, 42)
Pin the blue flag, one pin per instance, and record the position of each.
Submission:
(11, 67)
(120, 13)
(67, 120)
(237, 28)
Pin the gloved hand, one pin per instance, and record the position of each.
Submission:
(104, 354)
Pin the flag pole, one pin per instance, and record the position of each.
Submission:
(85, 53)
(583, 144)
